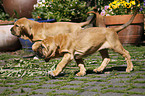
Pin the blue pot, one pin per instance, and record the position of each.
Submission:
(26, 44)
(40, 20)
(48, 20)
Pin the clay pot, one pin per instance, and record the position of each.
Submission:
(22, 7)
(133, 33)
(26, 44)
(8, 42)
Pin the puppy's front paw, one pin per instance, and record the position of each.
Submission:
(50, 73)
(81, 73)
(97, 70)
(129, 69)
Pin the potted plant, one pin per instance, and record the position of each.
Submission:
(119, 12)
(62, 10)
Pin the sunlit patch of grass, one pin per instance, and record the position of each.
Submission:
(110, 86)
(55, 87)
(34, 93)
(139, 81)
(7, 57)
(94, 90)
(22, 67)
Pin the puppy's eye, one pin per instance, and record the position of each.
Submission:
(17, 25)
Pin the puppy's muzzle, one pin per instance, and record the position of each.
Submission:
(11, 29)
(14, 33)
(41, 52)
(47, 59)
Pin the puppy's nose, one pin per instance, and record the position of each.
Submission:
(11, 29)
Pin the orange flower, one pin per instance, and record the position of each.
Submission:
(38, 17)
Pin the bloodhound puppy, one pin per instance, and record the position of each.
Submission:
(34, 31)
(87, 41)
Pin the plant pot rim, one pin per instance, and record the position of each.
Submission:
(123, 15)
(6, 22)
(122, 19)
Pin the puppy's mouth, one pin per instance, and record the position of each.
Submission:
(47, 59)
(17, 35)
(14, 33)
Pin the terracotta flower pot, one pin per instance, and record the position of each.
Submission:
(22, 7)
(130, 35)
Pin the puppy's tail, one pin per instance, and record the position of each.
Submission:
(117, 29)
(90, 20)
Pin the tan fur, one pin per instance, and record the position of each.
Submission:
(75, 46)
(34, 31)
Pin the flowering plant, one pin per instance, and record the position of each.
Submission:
(61, 10)
(121, 7)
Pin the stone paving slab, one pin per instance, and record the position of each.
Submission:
(71, 92)
(4, 88)
(48, 85)
(137, 90)
(43, 91)
(86, 93)
(112, 94)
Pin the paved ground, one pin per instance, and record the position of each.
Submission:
(114, 81)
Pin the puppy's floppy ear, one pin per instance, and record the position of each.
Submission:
(36, 45)
(50, 45)
(65, 43)
(26, 30)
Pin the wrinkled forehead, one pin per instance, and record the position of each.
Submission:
(42, 46)
(17, 23)
(45, 44)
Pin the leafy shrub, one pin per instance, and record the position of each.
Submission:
(68, 10)
(3, 15)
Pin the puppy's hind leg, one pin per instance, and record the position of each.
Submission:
(80, 64)
(106, 59)
(127, 56)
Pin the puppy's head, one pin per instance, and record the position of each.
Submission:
(45, 49)
(19, 29)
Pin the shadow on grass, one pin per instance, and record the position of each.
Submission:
(90, 71)
(119, 68)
